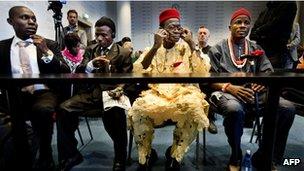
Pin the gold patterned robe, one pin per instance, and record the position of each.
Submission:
(181, 103)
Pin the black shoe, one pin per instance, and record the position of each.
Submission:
(172, 165)
(119, 166)
(149, 162)
(143, 167)
(44, 165)
(168, 153)
(69, 163)
(257, 161)
(212, 127)
(153, 157)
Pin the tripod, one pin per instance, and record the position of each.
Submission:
(58, 28)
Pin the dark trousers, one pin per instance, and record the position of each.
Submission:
(234, 112)
(39, 109)
(114, 121)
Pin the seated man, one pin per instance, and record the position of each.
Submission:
(183, 104)
(29, 53)
(103, 57)
(233, 101)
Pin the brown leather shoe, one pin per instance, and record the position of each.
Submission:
(234, 168)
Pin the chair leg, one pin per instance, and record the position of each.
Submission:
(129, 159)
(80, 137)
(204, 147)
(253, 131)
(259, 129)
(89, 128)
(197, 152)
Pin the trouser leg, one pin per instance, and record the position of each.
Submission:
(115, 124)
(233, 112)
(43, 108)
(286, 114)
(143, 130)
(67, 121)
(182, 137)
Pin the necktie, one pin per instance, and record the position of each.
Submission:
(104, 51)
(24, 58)
(25, 64)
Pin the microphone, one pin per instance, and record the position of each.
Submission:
(254, 54)
(246, 56)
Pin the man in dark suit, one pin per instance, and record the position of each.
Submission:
(29, 53)
(272, 30)
(103, 57)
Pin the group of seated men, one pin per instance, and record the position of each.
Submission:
(173, 51)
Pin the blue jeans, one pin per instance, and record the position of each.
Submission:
(234, 112)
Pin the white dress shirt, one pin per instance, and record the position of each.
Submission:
(32, 52)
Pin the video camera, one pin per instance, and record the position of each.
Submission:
(56, 7)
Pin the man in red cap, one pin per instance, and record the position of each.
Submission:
(182, 104)
(233, 100)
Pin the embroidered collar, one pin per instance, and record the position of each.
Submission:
(76, 59)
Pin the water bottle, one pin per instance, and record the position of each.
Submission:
(246, 165)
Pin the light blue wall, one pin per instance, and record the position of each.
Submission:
(215, 15)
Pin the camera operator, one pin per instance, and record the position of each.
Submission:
(72, 17)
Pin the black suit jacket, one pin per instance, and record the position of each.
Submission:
(272, 28)
(119, 57)
(57, 65)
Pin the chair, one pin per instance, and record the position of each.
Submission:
(92, 114)
(80, 135)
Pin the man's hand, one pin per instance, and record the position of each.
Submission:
(40, 43)
(159, 37)
(187, 36)
(257, 88)
(100, 61)
(116, 93)
(246, 95)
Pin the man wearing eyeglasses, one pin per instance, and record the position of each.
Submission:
(182, 104)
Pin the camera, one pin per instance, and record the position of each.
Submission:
(56, 7)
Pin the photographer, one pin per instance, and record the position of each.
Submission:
(72, 17)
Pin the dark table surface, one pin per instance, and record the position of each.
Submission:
(288, 78)
(275, 81)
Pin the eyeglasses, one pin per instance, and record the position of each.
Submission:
(174, 27)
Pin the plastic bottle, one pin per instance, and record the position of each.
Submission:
(246, 165)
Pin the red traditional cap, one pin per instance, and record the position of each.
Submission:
(241, 11)
(167, 14)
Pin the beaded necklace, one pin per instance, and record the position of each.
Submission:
(236, 61)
